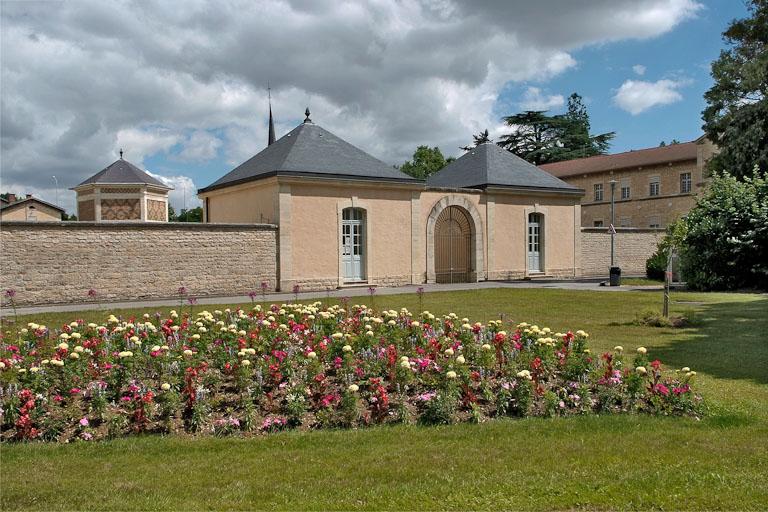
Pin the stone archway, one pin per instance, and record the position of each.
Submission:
(476, 238)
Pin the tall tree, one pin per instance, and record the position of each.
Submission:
(541, 138)
(480, 138)
(736, 116)
(426, 162)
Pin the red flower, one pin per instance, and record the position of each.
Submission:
(656, 364)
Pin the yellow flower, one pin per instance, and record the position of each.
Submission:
(337, 335)
(618, 348)
(685, 369)
(486, 346)
(642, 350)
(245, 362)
(188, 352)
(451, 374)
(449, 351)
(346, 348)
(134, 339)
(125, 353)
(641, 370)
(415, 324)
(405, 364)
(76, 335)
(165, 386)
(79, 349)
(74, 355)
(63, 346)
(353, 388)
(312, 355)
(460, 360)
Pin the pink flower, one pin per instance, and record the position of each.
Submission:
(661, 389)
(84, 422)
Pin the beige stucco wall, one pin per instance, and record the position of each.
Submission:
(43, 213)
(59, 262)
(510, 229)
(249, 202)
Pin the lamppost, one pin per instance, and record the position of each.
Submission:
(56, 181)
(615, 272)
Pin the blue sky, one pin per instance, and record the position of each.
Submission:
(183, 89)
(683, 54)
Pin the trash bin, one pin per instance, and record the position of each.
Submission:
(615, 276)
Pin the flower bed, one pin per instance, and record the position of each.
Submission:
(308, 366)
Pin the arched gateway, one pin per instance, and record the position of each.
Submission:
(453, 246)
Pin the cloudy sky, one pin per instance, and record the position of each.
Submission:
(181, 86)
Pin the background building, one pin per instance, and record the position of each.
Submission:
(122, 192)
(30, 209)
(654, 186)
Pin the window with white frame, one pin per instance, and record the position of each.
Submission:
(654, 187)
(625, 189)
(598, 191)
(685, 182)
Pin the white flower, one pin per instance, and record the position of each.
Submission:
(486, 346)
(245, 362)
(63, 346)
(685, 369)
(641, 370)
(188, 352)
(642, 350)
(415, 324)
(449, 351)
(79, 349)
(76, 335)
(74, 355)
(134, 339)
(312, 355)
(165, 386)
(337, 335)
(460, 360)
(125, 354)
(353, 388)
(451, 374)
(346, 348)
(618, 348)
(405, 364)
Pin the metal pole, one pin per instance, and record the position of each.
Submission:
(613, 222)
(57, 189)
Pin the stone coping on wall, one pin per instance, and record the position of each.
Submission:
(604, 229)
(192, 226)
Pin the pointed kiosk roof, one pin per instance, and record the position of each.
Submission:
(310, 150)
(488, 165)
(122, 172)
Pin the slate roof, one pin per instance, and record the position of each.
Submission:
(310, 150)
(122, 171)
(8, 206)
(489, 165)
(629, 159)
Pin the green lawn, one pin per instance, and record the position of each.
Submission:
(619, 462)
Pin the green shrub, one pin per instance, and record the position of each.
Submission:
(725, 246)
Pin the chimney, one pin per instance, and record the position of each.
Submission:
(29, 195)
(11, 197)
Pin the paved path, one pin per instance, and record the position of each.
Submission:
(583, 284)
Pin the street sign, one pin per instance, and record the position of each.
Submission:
(611, 229)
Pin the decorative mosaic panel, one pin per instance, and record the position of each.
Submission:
(110, 190)
(120, 209)
(156, 210)
(86, 210)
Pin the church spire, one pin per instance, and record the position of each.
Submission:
(271, 138)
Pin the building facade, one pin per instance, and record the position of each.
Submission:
(346, 219)
(122, 192)
(29, 209)
(653, 187)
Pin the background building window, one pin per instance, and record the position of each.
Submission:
(655, 187)
(597, 223)
(625, 222)
(598, 191)
(654, 221)
(685, 183)
(625, 190)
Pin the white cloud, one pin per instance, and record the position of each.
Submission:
(201, 146)
(81, 79)
(183, 193)
(533, 99)
(639, 69)
(636, 96)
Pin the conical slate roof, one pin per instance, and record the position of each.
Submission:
(123, 172)
(309, 150)
(489, 165)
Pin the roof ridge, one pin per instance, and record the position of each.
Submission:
(630, 151)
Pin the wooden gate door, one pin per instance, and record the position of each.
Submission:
(453, 245)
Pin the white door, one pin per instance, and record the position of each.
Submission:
(353, 244)
(534, 243)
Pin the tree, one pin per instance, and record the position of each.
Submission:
(193, 215)
(540, 138)
(172, 217)
(480, 138)
(736, 116)
(426, 162)
(725, 245)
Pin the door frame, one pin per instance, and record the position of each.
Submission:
(361, 277)
(465, 245)
(543, 239)
(367, 260)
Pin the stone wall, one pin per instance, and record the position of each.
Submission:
(59, 262)
(633, 246)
